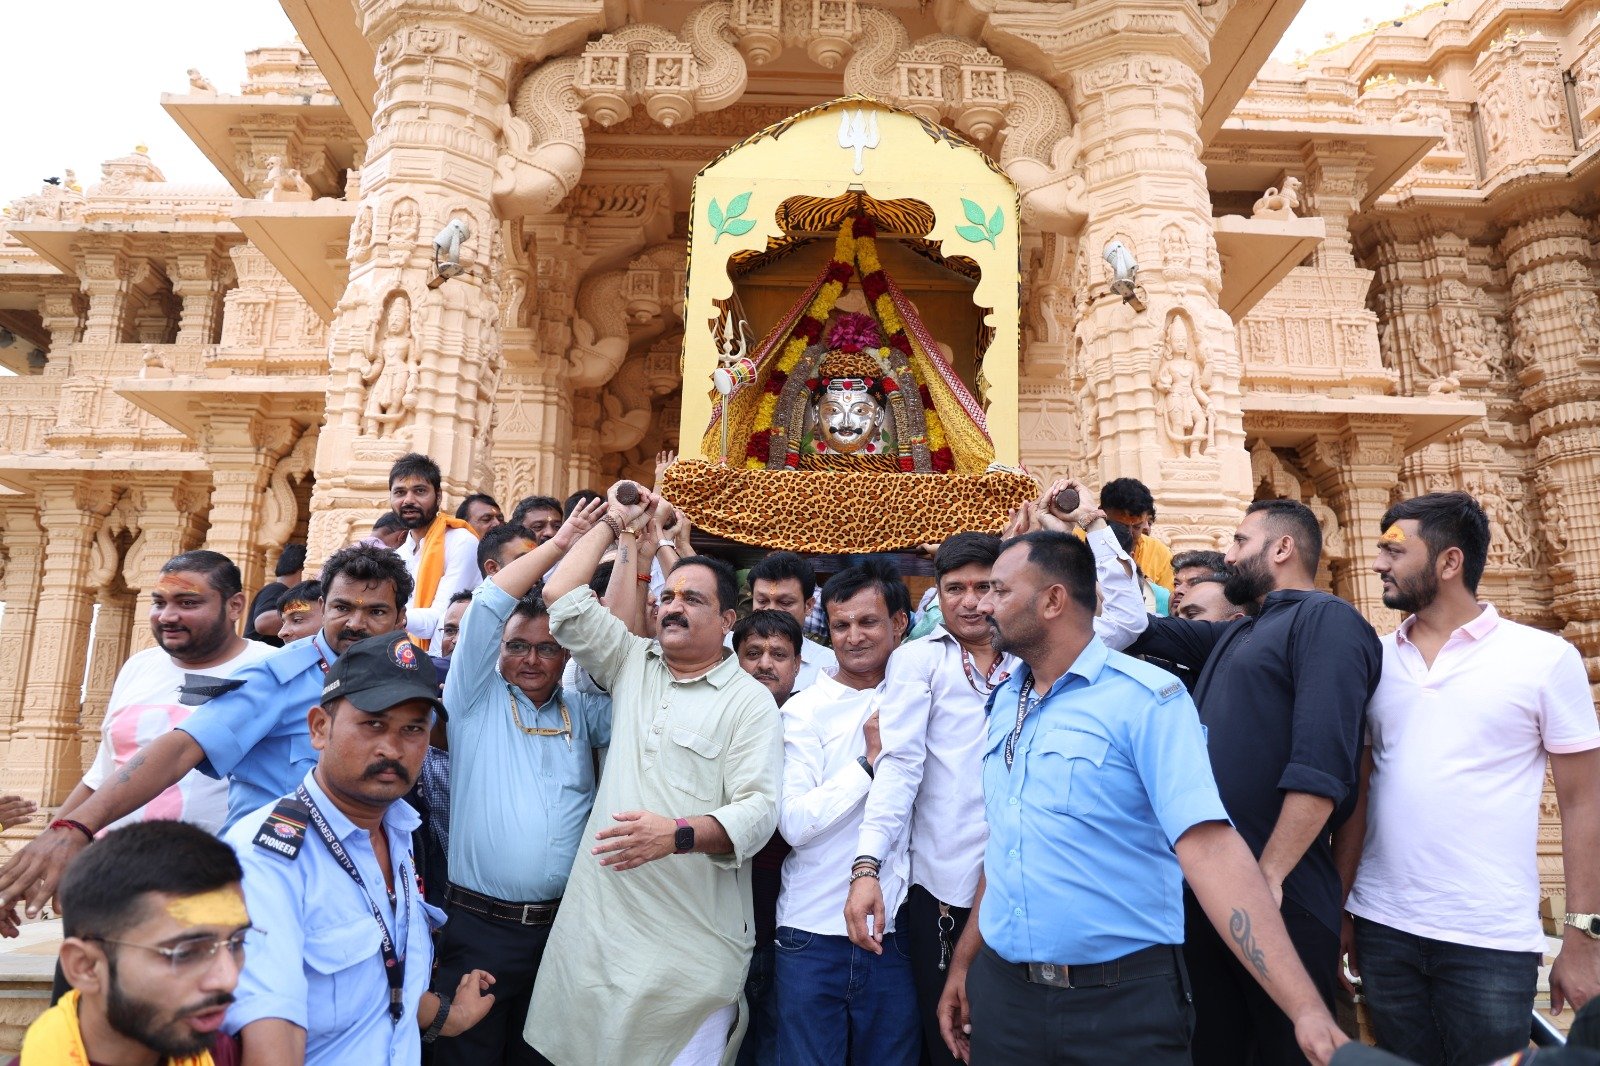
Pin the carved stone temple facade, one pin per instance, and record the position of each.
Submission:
(1364, 276)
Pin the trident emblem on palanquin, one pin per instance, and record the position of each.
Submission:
(734, 370)
(858, 129)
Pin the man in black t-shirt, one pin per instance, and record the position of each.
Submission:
(1282, 694)
(264, 618)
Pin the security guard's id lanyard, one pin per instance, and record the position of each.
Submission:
(393, 965)
(1022, 712)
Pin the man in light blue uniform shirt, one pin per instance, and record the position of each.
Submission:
(339, 971)
(1100, 801)
(522, 768)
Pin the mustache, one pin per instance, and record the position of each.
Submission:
(764, 675)
(674, 619)
(383, 765)
(352, 634)
(221, 999)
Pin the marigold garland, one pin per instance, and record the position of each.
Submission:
(806, 332)
(875, 286)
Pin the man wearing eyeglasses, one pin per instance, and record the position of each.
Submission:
(341, 975)
(522, 768)
(154, 925)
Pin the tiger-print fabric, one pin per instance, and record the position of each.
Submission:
(841, 512)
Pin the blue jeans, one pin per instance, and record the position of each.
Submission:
(841, 1004)
(1443, 1004)
(760, 1047)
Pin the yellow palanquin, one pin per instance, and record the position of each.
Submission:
(847, 397)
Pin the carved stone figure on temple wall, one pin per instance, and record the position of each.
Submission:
(1546, 100)
(1185, 407)
(1510, 538)
(1497, 117)
(390, 375)
(405, 221)
(1555, 510)
(285, 183)
(1279, 203)
(1469, 349)
(1586, 312)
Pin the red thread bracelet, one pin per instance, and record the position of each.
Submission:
(68, 823)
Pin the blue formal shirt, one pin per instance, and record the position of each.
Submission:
(518, 803)
(317, 961)
(256, 735)
(1109, 770)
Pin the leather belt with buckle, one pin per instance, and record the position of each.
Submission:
(1146, 962)
(500, 910)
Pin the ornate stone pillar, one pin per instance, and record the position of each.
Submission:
(62, 311)
(409, 362)
(23, 543)
(1356, 471)
(199, 278)
(42, 762)
(1555, 320)
(113, 624)
(243, 449)
(1165, 380)
(169, 524)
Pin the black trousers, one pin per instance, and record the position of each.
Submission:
(1146, 1021)
(1239, 1025)
(917, 925)
(511, 952)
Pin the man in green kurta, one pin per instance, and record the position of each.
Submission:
(647, 958)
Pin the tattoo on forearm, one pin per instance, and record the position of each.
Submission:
(126, 773)
(1239, 929)
(622, 554)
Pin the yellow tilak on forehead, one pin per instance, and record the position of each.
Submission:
(295, 605)
(1393, 535)
(220, 906)
(677, 588)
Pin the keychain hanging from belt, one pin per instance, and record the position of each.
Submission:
(946, 923)
(394, 969)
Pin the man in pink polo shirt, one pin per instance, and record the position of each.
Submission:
(1444, 910)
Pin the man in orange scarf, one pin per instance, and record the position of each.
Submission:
(441, 552)
(154, 924)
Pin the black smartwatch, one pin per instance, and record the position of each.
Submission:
(683, 838)
(866, 765)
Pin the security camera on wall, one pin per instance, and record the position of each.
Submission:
(447, 251)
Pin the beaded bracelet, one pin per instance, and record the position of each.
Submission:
(865, 871)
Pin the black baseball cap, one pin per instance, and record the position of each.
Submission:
(377, 673)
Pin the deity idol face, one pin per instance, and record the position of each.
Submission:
(848, 416)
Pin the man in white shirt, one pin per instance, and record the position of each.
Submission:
(194, 612)
(784, 581)
(440, 551)
(838, 1001)
(768, 646)
(1445, 903)
(930, 778)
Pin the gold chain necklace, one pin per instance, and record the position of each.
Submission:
(542, 731)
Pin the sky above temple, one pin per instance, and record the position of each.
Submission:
(83, 83)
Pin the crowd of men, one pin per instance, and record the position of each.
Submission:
(542, 790)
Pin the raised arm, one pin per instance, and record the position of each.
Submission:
(520, 575)
(580, 563)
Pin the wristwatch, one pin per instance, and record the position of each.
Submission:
(683, 839)
(439, 1017)
(1589, 924)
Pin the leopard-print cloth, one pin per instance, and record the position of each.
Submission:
(841, 512)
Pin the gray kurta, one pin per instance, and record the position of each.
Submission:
(638, 959)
